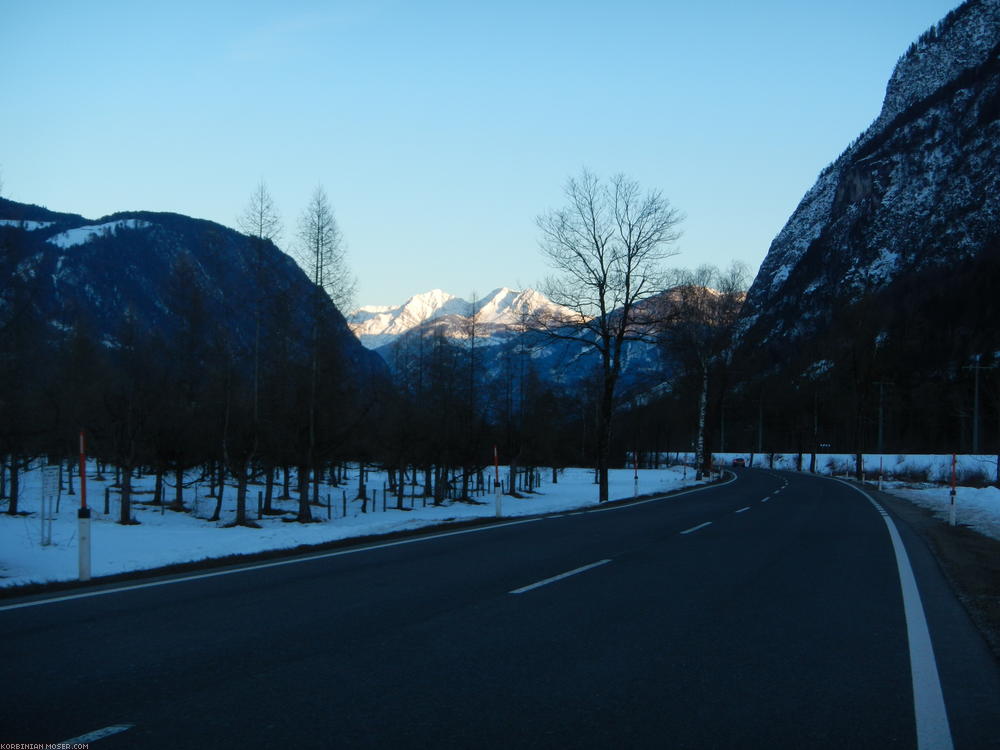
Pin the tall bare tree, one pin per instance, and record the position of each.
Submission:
(261, 222)
(607, 247)
(323, 257)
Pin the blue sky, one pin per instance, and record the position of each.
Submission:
(440, 130)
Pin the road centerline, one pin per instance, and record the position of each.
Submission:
(553, 579)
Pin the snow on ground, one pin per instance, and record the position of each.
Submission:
(82, 235)
(978, 508)
(164, 537)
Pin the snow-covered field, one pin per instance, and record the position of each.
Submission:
(164, 537)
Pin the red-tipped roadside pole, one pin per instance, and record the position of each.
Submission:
(84, 515)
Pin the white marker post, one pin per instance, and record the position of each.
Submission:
(84, 516)
(635, 476)
(951, 512)
(496, 480)
(50, 488)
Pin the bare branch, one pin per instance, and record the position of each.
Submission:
(607, 247)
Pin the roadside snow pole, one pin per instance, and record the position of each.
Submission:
(952, 510)
(84, 515)
(50, 489)
(880, 473)
(635, 474)
(496, 480)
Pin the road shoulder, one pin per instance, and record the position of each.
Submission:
(969, 560)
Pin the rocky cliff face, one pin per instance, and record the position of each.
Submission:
(916, 195)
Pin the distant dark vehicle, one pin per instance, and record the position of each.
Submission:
(739, 462)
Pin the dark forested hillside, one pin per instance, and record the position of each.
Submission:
(170, 340)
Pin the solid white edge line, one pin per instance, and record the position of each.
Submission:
(559, 577)
(257, 566)
(933, 731)
(695, 528)
(97, 734)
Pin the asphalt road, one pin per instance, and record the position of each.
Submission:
(765, 613)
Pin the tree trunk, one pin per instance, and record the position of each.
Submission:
(125, 509)
(286, 484)
(702, 407)
(218, 502)
(439, 479)
(305, 514)
(269, 489)
(401, 488)
(15, 485)
(362, 490)
(178, 503)
(465, 484)
(241, 496)
(605, 412)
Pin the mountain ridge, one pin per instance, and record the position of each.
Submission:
(917, 189)
(501, 309)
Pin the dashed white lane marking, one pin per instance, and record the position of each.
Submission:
(933, 731)
(695, 528)
(766, 499)
(743, 510)
(559, 577)
(97, 734)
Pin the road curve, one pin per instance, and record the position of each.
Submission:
(769, 612)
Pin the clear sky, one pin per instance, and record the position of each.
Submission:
(440, 130)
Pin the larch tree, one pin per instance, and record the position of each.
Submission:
(323, 257)
(607, 247)
(261, 222)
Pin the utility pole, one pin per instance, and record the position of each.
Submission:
(881, 411)
(722, 427)
(975, 402)
(760, 424)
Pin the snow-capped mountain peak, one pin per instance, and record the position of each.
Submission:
(377, 325)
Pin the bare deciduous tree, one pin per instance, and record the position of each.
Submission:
(607, 247)
(322, 253)
(323, 257)
(261, 222)
(699, 314)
